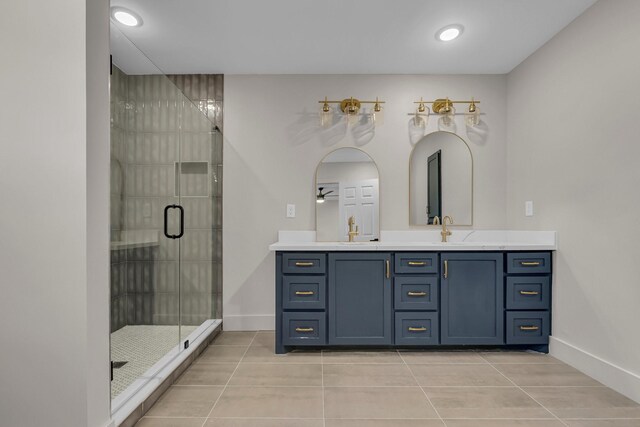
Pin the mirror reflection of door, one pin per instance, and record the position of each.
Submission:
(360, 200)
(347, 185)
(441, 180)
(434, 187)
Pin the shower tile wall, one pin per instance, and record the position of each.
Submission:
(153, 119)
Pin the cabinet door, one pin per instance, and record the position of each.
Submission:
(360, 299)
(472, 305)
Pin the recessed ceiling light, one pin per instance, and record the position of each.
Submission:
(126, 17)
(450, 32)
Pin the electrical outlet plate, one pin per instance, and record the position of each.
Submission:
(528, 208)
(291, 211)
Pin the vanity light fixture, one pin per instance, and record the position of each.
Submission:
(445, 108)
(449, 33)
(126, 17)
(350, 107)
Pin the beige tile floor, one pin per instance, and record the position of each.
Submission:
(239, 382)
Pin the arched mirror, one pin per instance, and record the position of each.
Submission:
(441, 180)
(347, 197)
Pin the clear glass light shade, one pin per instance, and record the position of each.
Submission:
(377, 116)
(447, 122)
(352, 117)
(473, 118)
(326, 116)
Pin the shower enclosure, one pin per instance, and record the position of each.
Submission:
(166, 215)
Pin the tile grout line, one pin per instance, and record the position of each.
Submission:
(422, 389)
(521, 389)
(229, 380)
(324, 418)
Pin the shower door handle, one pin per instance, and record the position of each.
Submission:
(166, 221)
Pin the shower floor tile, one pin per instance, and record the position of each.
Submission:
(140, 346)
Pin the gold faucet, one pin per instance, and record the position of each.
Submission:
(352, 233)
(436, 220)
(446, 233)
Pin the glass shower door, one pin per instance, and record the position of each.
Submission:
(198, 186)
(166, 154)
(146, 223)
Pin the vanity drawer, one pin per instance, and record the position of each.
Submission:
(303, 292)
(416, 262)
(528, 262)
(304, 328)
(528, 327)
(304, 263)
(528, 293)
(417, 328)
(416, 293)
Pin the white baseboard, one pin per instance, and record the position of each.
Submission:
(615, 377)
(259, 322)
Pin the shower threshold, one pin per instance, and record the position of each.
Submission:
(140, 387)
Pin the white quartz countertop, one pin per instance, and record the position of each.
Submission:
(425, 240)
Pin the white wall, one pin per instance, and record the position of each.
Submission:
(54, 334)
(573, 149)
(272, 147)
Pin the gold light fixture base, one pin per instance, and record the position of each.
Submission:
(349, 103)
(439, 104)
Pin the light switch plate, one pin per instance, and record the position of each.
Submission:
(291, 211)
(528, 208)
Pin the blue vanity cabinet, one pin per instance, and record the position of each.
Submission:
(360, 303)
(413, 299)
(472, 301)
(528, 298)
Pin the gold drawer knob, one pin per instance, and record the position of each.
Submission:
(416, 329)
(529, 293)
(304, 292)
(416, 263)
(416, 294)
(304, 329)
(529, 328)
(304, 264)
(530, 263)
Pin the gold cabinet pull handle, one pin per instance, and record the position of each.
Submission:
(416, 329)
(388, 269)
(416, 294)
(304, 264)
(446, 268)
(529, 293)
(304, 292)
(530, 263)
(304, 329)
(529, 328)
(416, 263)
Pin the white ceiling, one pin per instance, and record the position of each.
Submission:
(338, 36)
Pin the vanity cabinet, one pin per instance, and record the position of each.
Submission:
(360, 304)
(472, 299)
(412, 299)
